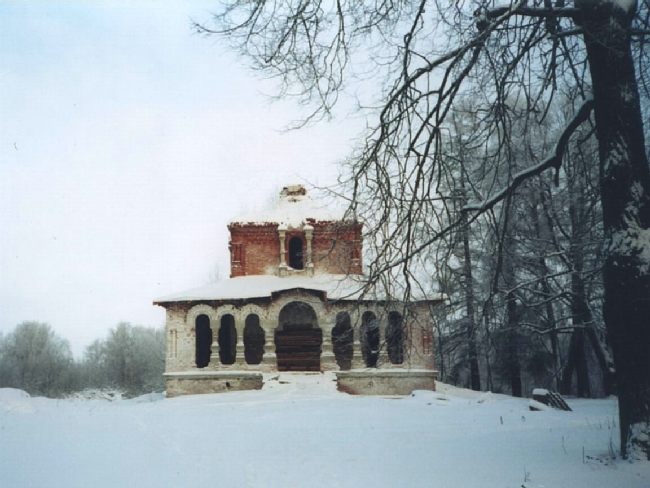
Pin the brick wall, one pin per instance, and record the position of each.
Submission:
(255, 248)
(337, 247)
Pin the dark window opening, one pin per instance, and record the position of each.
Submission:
(227, 340)
(253, 340)
(342, 338)
(395, 338)
(203, 337)
(369, 339)
(295, 253)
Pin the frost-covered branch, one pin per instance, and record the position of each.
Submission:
(553, 161)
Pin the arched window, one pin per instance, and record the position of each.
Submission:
(203, 341)
(342, 341)
(395, 338)
(295, 252)
(227, 340)
(253, 340)
(370, 339)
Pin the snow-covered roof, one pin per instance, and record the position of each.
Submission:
(292, 208)
(337, 287)
(259, 286)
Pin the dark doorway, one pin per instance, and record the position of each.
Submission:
(370, 339)
(298, 339)
(295, 253)
(253, 340)
(203, 337)
(227, 340)
(395, 338)
(342, 337)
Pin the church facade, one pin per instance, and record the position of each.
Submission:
(296, 300)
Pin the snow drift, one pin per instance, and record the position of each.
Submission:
(300, 432)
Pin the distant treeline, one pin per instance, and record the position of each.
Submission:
(35, 359)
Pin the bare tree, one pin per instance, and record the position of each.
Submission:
(34, 358)
(131, 358)
(427, 53)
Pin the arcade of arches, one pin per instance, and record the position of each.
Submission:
(298, 339)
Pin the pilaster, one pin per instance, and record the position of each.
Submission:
(282, 234)
(357, 356)
(309, 234)
(383, 361)
(240, 357)
(328, 358)
(215, 360)
(269, 357)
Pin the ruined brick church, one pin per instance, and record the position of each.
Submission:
(296, 300)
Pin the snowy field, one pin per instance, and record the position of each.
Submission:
(300, 432)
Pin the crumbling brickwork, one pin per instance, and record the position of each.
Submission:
(255, 247)
(337, 247)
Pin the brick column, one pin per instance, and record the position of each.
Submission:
(269, 360)
(327, 358)
(309, 234)
(357, 356)
(383, 361)
(215, 362)
(240, 359)
(282, 232)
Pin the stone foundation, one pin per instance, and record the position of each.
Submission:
(385, 381)
(369, 381)
(198, 382)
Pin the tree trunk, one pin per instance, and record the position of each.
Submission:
(470, 331)
(486, 349)
(509, 282)
(546, 293)
(576, 361)
(475, 377)
(551, 325)
(580, 313)
(512, 345)
(441, 350)
(625, 187)
(604, 360)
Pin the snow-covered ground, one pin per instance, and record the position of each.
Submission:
(300, 432)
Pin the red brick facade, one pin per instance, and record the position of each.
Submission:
(255, 248)
(337, 247)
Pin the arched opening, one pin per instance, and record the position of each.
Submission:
(253, 340)
(203, 341)
(295, 252)
(227, 340)
(369, 339)
(395, 338)
(298, 339)
(342, 337)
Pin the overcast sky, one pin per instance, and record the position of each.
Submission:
(126, 144)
